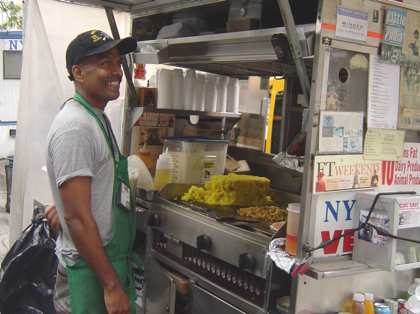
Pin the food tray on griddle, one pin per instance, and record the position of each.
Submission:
(240, 216)
(230, 215)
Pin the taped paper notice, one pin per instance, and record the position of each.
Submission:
(351, 24)
(383, 144)
(341, 132)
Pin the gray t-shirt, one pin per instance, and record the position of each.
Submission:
(77, 147)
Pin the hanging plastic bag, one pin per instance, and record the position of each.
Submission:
(28, 272)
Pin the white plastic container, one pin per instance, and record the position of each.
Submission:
(178, 89)
(163, 173)
(211, 93)
(164, 89)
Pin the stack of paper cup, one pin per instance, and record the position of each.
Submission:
(164, 84)
(211, 93)
(178, 89)
(222, 84)
(199, 100)
(189, 81)
(233, 95)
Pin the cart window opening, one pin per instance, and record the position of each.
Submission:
(343, 75)
(12, 64)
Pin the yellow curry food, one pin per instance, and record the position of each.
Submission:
(231, 190)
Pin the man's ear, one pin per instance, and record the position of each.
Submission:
(77, 72)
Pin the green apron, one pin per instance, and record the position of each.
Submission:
(86, 292)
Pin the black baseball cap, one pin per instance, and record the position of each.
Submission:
(94, 42)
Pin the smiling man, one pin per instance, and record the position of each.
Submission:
(89, 182)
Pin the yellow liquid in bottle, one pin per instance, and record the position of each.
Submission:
(162, 178)
(369, 308)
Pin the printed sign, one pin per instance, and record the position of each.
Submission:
(335, 173)
(405, 171)
(13, 44)
(334, 217)
(351, 24)
(394, 29)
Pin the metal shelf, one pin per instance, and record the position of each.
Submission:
(407, 266)
(237, 54)
(338, 268)
(187, 113)
(413, 226)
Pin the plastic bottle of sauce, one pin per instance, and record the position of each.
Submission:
(358, 304)
(163, 171)
(369, 307)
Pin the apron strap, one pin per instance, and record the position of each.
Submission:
(106, 130)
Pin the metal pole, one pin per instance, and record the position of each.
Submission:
(292, 36)
(126, 68)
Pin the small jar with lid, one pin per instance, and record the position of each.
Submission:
(358, 306)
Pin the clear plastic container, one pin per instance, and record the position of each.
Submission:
(194, 159)
(293, 214)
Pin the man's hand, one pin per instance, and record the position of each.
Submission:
(52, 218)
(116, 300)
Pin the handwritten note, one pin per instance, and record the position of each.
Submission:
(384, 144)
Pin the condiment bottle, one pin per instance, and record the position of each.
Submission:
(358, 304)
(163, 171)
(347, 305)
(369, 307)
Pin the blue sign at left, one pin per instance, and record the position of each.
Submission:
(13, 44)
(12, 40)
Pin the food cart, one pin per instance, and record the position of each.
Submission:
(354, 66)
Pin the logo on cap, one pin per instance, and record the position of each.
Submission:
(96, 36)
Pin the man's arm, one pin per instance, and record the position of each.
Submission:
(76, 197)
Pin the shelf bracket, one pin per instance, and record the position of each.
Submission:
(128, 75)
(297, 54)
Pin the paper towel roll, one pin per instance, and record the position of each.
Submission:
(222, 84)
(199, 101)
(233, 95)
(178, 89)
(189, 81)
(164, 84)
(211, 93)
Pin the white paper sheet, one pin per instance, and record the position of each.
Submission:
(384, 94)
